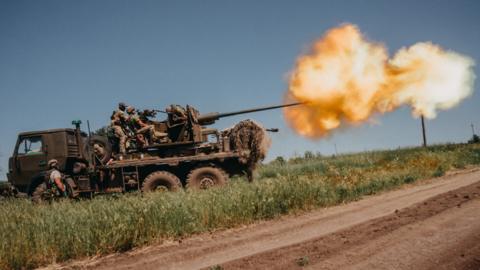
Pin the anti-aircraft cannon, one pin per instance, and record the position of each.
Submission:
(189, 154)
(185, 126)
(194, 155)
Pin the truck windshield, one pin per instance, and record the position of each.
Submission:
(30, 146)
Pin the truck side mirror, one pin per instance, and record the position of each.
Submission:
(45, 149)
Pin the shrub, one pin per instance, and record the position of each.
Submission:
(475, 139)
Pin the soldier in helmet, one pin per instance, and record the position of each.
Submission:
(140, 127)
(54, 177)
(118, 122)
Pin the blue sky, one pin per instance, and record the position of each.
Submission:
(64, 60)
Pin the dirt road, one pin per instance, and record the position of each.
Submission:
(435, 225)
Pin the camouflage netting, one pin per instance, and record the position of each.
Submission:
(251, 138)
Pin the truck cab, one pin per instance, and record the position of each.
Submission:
(28, 163)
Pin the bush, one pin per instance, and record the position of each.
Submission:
(475, 139)
(280, 160)
(309, 155)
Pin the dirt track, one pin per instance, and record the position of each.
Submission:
(435, 225)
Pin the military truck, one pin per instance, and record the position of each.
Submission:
(27, 165)
(189, 154)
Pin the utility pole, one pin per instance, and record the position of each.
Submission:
(423, 132)
(1, 169)
(473, 129)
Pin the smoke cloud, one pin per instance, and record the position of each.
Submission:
(345, 79)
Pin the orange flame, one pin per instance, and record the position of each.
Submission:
(346, 79)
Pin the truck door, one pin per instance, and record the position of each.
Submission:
(30, 158)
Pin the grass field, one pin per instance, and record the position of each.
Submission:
(33, 235)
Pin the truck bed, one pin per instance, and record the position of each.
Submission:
(171, 161)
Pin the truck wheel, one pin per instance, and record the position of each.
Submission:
(206, 177)
(161, 180)
(39, 194)
(100, 147)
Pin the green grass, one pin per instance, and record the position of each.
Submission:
(303, 261)
(33, 235)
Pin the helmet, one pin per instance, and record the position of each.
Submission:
(130, 109)
(52, 162)
(122, 106)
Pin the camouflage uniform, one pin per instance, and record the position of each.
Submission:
(51, 175)
(138, 126)
(118, 120)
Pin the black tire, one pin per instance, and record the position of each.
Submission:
(39, 192)
(34, 182)
(105, 146)
(161, 180)
(206, 177)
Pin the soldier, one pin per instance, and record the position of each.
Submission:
(118, 121)
(140, 127)
(54, 177)
(176, 113)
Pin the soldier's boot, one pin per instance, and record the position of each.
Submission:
(142, 142)
(161, 137)
(149, 131)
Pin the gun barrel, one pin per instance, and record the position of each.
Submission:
(257, 109)
(209, 118)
